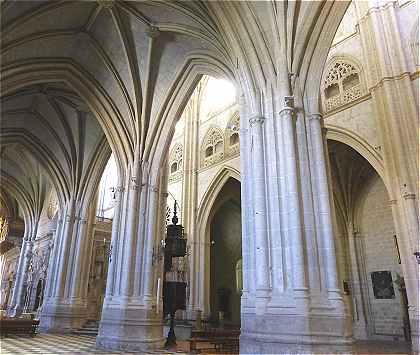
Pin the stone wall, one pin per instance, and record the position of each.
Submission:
(377, 231)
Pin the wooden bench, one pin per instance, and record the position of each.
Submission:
(230, 344)
(18, 326)
(215, 340)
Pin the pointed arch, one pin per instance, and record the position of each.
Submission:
(214, 188)
(360, 146)
(205, 209)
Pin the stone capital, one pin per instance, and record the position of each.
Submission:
(69, 219)
(287, 112)
(154, 188)
(133, 183)
(316, 116)
(106, 4)
(289, 101)
(409, 196)
(152, 32)
(256, 119)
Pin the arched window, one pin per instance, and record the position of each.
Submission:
(342, 84)
(212, 148)
(175, 162)
(232, 136)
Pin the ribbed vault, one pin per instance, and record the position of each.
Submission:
(52, 123)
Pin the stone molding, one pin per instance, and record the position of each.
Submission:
(287, 112)
(256, 119)
(316, 116)
(106, 4)
(153, 32)
(409, 196)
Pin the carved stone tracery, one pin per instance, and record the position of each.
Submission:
(232, 137)
(176, 163)
(212, 148)
(342, 84)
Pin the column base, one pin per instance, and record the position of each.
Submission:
(360, 331)
(60, 317)
(130, 328)
(294, 333)
(415, 331)
(15, 311)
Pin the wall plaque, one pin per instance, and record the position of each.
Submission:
(382, 285)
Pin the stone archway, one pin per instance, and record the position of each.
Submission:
(368, 259)
(225, 253)
(206, 211)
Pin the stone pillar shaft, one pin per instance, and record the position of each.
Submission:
(65, 304)
(129, 320)
(324, 208)
(260, 208)
(359, 317)
(17, 303)
(116, 223)
(295, 237)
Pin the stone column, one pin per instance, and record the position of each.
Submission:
(248, 261)
(298, 316)
(83, 258)
(359, 317)
(262, 287)
(129, 319)
(18, 299)
(295, 233)
(324, 211)
(190, 195)
(115, 245)
(64, 308)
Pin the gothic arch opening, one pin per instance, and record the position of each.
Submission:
(368, 248)
(225, 254)
(202, 157)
